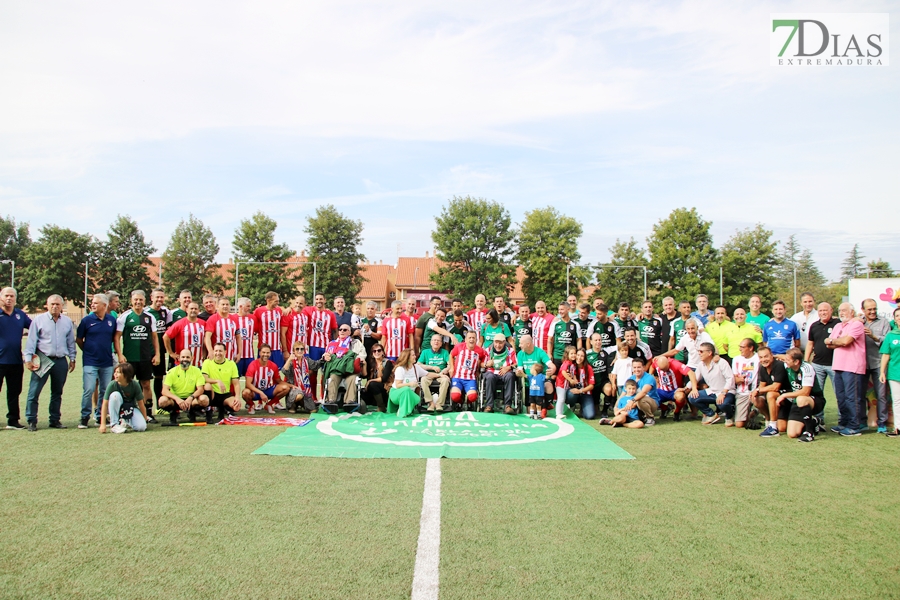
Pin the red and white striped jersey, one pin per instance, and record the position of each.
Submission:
(467, 362)
(297, 324)
(321, 323)
(268, 326)
(188, 335)
(411, 320)
(476, 318)
(394, 335)
(541, 330)
(225, 331)
(246, 326)
(263, 377)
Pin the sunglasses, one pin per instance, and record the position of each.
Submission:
(378, 351)
(345, 330)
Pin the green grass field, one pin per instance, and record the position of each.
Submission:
(703, 512)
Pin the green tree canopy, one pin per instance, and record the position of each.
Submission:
(473, 236)
(254, 241)
(54, 264)
(682, 257)
(622, 285)
(189, 259)
(548, 241)
(14, 238)
(332, 242)
(121, 261)
(793, 256)
(853, 264)
(749, 261)
(879, 268)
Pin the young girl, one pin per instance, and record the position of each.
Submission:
(564, 379)
(536, 381)
(626, 409)
(621, 369)
(123, 402)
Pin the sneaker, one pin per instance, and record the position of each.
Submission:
(173, 420)
(820, 426)
(151, 420)
(837, 429)
(209, 417)
(119, 427)
(677, 417)
(769, 432)
(649, 422)
(251, 410)
(56, 425)
(270, 409)
(863, 428)
(97, 420)
(84, 423)
(729, 422)
(162, 412)
(15, 426)
(847, 432)
(488, 409)
(712, 420)
(664, 410)
(893, 434)
(806, 437)
(192, 415)
(882, 429)
(604, 421)
(508, 410)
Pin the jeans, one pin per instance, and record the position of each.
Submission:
(91, 377)
(848, 387)
(880, 395)
(137, 421)
(823, 372)
(57, 376)
(588, 406)
(492, 381)
(706, 401)
(13, 374)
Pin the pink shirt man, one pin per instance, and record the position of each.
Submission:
(850, 358)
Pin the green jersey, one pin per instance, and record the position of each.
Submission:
(526, 361)
(439, 359)
(521, 328)
(161, 317)
(489, 331)
(178, 314)
(137, 345)
(131, 393)
(564, 334)
(422, 324)
(460, 332)
(224, 372)
(805, 376)
(891, 347)
(760, 320)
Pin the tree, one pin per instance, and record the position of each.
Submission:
(332, 242)
(852, 265)
(749, 261)
(14, 239)
(792, 256)
(879, 268)
(188, 262)
(623, 285)
(54, 264)
(682, 257)
(254, 241)
(548, 241)
(474, 238)
(122, 260)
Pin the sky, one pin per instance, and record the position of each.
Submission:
(614, 113)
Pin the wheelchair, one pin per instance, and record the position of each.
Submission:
(331, 406)
(518, 404)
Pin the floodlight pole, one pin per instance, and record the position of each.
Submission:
(86, 280)
(237, 270)
(721, 286)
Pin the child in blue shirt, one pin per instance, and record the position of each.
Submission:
(536, 381)
(626, 411)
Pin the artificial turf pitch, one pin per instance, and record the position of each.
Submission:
(703, 512)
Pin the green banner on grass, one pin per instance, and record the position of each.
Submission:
(451, 435)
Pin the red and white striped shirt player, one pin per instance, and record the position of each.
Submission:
(394, 335)
(188, 334)
(296, 324)
(268, 325)
(246, 326)
(467, 361)
(321, 323)
(225, 330)
(541, 325)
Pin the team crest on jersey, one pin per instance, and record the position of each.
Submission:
(243, 332)
(270, 326)
(227, 335)
(195, 340)
(896, 342)
(468, 363)
(18, 316)
(396, 331)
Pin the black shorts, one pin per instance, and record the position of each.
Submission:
(160, 369)
(558, 363)
(217, 398)
(539, 400)
(143, 370)
(796, 413)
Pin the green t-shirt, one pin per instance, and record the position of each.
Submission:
(178, 314)
(160, 318)
(427, 333)
(527, 360)
(183, 382)
(564, 334)
(440, 359)
(521, 328)
(459, 332)
(761, 319)
(224, 372)
(131, 393)
(137, 345)
(489, 331)
(891, 346)
(796, 379)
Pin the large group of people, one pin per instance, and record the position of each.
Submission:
(628, 367)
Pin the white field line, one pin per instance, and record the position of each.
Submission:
(428, 555)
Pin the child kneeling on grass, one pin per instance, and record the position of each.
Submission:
(123, 402)
(626, 411)
(536, 381)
